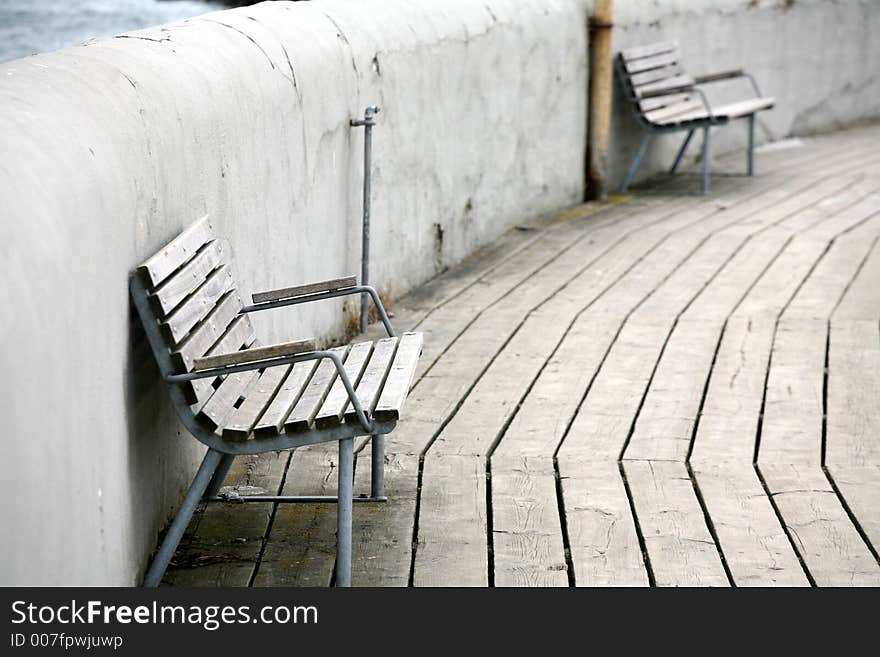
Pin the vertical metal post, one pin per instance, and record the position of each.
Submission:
(220, 473)
(751, 144)
(343, 512)
(367, 122)
(706, 157)
(377, 471)
(181, 520)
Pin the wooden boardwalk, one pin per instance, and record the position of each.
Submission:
(676, 390)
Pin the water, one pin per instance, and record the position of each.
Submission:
(31, 26)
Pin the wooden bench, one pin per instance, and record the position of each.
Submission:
(238, 396)
(666, 99)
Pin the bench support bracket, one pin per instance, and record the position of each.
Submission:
(684, 145)
(637, 160)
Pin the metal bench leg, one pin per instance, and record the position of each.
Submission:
(343, 512)
(181, 520)
(634, 166)
(684, 145)
(706, 159)
(751, 155)
(377, 469)
(219, 475)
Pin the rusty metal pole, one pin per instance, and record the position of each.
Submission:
(601, 80)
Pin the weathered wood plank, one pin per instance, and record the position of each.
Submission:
(301, 549)
(177, 287)
(225, 399)
(680, 547)
(374, 377)
(755, 546)
(649, 50)
(333, 407)
(452, 545)
(304, 290)
(254, 355)
(827, 541)
(209, 331)
(655, 75)
(400, 377)
(602, 534)
(657, 102)
(177, 252)
(667, 85)
(293, 386)
(526, 536)
(383, 532)
(652, 61)
(243, 419)
(178, 324)
(729, 419)
(859, 486)
(239, 334)
(313, 396)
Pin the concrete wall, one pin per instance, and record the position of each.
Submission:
(112, 147)
(819, 58)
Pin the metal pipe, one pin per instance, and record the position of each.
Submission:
(601, 80)
(684, 145)
(377, 465)
(289, 499)
(283, 360)
(343, 512)
(751, 155)
(331, 294)
(637, 160)
(219, 476)
(706, 157)
(367, 122)
(181, 520)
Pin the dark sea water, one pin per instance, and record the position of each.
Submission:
(31, 26)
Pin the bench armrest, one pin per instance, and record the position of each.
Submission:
(279, 359)
(665, 92)
(720, 75)
(254, 355)
(292, 296)
(305, 290)
(728, 75)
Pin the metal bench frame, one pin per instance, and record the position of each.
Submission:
(649, 129)
(221, 452)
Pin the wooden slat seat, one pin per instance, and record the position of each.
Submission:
(666, 98)
(239, 396)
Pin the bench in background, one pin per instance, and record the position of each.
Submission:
(666, 99)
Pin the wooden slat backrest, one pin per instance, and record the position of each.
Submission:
(192, 295)
(655, 71)
(649, 50)
(176, 253)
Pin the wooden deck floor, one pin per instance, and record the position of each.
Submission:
(676, 390)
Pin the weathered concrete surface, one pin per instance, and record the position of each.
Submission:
(112, 147)
(818, 58)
